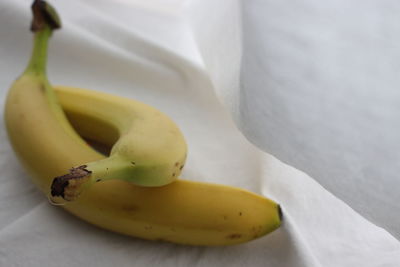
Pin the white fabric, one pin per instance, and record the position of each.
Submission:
(184, 58)
(326, 77)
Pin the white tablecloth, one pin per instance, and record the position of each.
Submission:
(316, 88)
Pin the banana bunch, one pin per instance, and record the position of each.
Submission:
(133, 189)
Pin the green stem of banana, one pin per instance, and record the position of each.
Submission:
(45, 20)
(70, 186)
(38, 62)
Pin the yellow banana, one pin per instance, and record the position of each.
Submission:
(182, 212)
(149, 148)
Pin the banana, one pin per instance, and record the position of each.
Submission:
(148, 149)
(183, 212)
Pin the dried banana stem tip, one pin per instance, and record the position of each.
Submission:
(69, 186)
(44, 14)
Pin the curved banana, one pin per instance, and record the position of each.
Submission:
(148, 149)
(181, 212)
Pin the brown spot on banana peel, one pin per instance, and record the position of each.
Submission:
(66, 186)
(130, 208)
(234, 236)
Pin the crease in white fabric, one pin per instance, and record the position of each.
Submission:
(186, 33)
(300, 242)
(109, 24)
(221, 47)
(20, 218)
(117, 50)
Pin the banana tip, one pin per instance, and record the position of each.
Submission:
(280, 213)
(68, 186)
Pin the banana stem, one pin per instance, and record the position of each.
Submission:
(45, 20)
(69, 186)
(38, 62)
